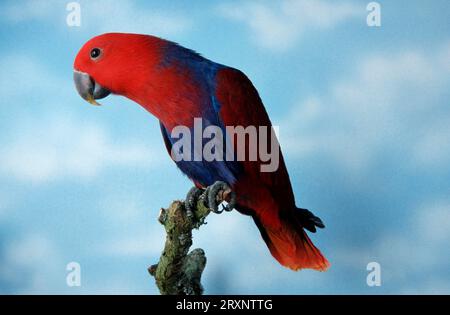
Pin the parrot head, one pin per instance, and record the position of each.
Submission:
(110, 63)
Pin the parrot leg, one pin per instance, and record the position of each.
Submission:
(218, 192)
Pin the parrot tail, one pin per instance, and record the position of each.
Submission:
(291, 246)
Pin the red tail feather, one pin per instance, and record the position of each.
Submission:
(291, 246)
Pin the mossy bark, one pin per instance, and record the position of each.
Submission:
(179, 272)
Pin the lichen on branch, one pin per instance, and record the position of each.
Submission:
(179, 272)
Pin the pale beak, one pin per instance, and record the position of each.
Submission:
(88, 89)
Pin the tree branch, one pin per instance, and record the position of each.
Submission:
(178, 272)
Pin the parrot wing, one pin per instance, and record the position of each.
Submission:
(268, 196)
(242, 106)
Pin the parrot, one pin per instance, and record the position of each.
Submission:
(178, 85)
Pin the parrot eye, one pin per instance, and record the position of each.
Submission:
(95, 53)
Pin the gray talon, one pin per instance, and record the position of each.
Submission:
(217, 190)
(191, 200)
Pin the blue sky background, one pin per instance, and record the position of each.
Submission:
(364, 122)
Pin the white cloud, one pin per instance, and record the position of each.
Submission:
(279, 27)
(126, 16)
(31, 262)
(384, 104)
(148, 245)
(125, 208)
(404, 256)
(30, 10)
(25, 76)
(30, 250)
(100, 16)
(433, 222)
(62, 146)
(432, 149)
(420, 250)
(5, 203)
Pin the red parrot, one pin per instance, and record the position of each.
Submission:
(177, 85)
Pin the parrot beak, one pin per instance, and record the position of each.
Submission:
(88, 89)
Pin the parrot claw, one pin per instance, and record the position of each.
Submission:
(216, 194)
(309, 221)
(191, 200)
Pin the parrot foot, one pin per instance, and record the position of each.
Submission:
(309, 221)
(216, 194)
(191, 200)
(212, 197)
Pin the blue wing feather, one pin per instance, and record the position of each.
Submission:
(204, 71)
(203, 172)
